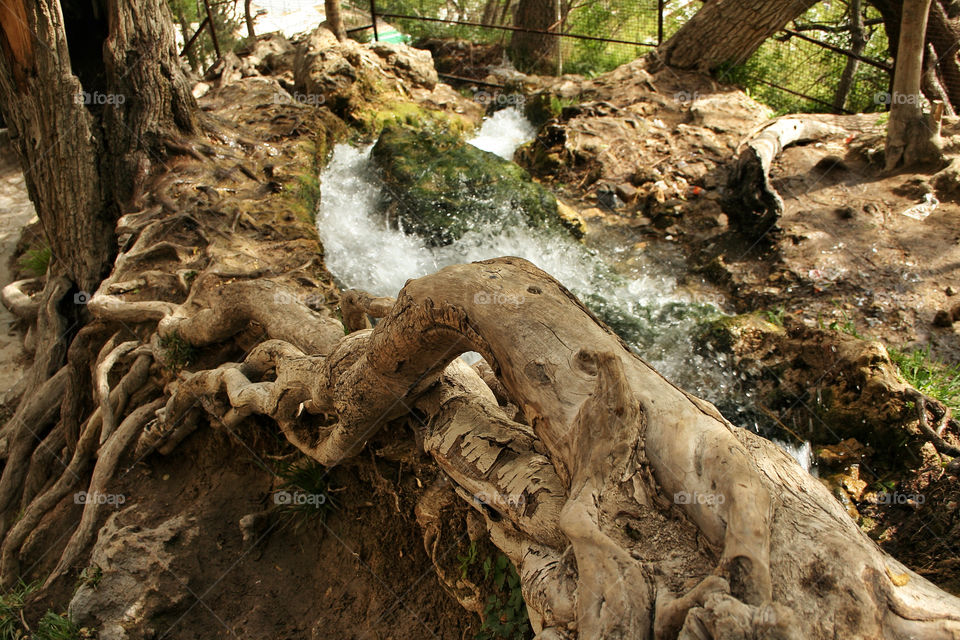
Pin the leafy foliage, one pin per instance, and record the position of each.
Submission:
(177, 352)
(505, 614)
(52, 626)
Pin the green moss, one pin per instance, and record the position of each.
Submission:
(442, 187)
(372, 120)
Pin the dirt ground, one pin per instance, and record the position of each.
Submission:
(16, 210)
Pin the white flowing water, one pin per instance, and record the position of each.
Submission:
(646, 306)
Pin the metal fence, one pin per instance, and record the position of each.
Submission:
(796, 70)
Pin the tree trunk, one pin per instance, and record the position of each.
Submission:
(944, 33)
(912, 137)
(334, 19)
(535, 52)
(92, 99)
(87, 128)
(248, 17)
(630, 508)
(858, 42)
(728, 32)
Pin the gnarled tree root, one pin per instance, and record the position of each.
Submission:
(674, 517)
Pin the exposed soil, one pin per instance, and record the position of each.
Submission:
(16, 210)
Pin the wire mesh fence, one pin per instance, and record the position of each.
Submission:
(833, 58)
(800, 69)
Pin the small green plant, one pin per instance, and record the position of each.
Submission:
(11, 603)
(775, 315)
(36, 260)
(505, 614)
(177, 352)
(930, 376)
(468, 559)
(90, 577)
(305, 489)
(54, 626)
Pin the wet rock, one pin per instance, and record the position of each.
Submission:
(844, 453)
(943, 318)
(441, 187)
(138, 582)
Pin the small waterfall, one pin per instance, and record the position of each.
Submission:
(503, 132)
(643, 303)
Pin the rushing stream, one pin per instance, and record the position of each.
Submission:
(639, 297)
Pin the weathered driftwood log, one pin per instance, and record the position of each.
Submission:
(752, 202)
(631, 509)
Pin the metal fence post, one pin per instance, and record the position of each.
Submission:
(660, 4)
(373, 20)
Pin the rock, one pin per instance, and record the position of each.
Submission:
(841, 454)
(272, 54)
(626, 192)
(607, 197)
(138, 582)
(730, 111)
(955, 313)
(571, 219)
(950, 291)
(441, 187)
(415, 65)
(943, 318)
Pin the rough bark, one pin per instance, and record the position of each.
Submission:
(334, 19)
(726, 32)
(912, 137)
(535, 52)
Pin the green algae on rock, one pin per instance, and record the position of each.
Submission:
(441, 187)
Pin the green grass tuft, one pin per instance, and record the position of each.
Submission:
(177, 352)
(930, 376)
(36, 260)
